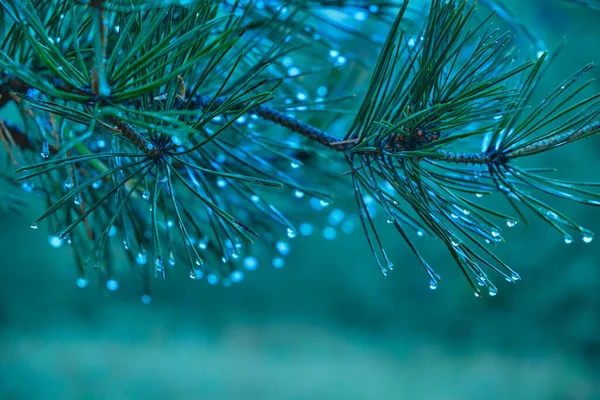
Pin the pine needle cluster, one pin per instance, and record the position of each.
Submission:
(167, 132)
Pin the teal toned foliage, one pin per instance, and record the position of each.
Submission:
(169, 132)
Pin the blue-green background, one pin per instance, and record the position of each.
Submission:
(327, 326)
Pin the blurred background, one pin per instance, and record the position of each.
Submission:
(326, 325)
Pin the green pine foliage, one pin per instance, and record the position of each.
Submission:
(170, 132)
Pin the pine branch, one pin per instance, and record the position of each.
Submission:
(174, 141)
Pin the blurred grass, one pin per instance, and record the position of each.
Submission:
(326, 326)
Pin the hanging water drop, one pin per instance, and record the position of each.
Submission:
(568, 239)
(291, 233)
(158, 264)
(477, 294)
(141, 258)
(68, 183)
(55, 241)
(196, 274)
(511, 223)
(35, 225)
(433, 285)
(146, 195)
(492, 291)
(171, 258)
(45, 149)
(299, 194)
(294, 165)
(390, 219)
(588, 237)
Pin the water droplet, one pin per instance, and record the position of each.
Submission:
(250, 263)
(568, 239)
(112, 285)
(478, 195)
(433, 285)
(588, 237)
(171, 258)
(146, 299)
(278, 262)
(492, 291)
(68, 183)
(237, 276)
(480, 280)
(55, 241)
(291, 233)
(125, 245)
(254, 198)
(221, 183)
(306, 229)
(515, 277)
(324, 203)
(294, 164)
(282, 247)
(158, 264)
(347, 227)
(45, 149)
(329, 233)
(199, 262)
(390, 219)
(77, 199)
(212, 279)
(495, 233)
(35, 225)
(294, 71)
(511, 223)
(477, 294)
(299, 194)
(26, 186)
(420, 233)
(141, 258)
(196, 274)
(146, 195)
(336, 216)
(82, 282)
